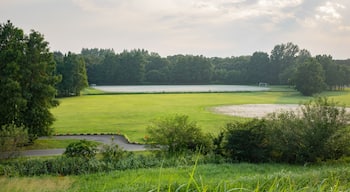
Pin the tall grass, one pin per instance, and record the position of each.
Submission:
(227, 177)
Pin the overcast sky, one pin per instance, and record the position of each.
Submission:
(220, 28)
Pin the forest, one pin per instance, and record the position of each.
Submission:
(287, 64)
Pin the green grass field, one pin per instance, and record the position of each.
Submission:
(210, 177)
(129, 114)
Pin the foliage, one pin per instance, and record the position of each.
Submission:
(326, 132)
(11, 139)
(72, 69)
(310, 78)
(209, 177)
(27, 80)
(141, 67)
(82, 148)
(112, 152)
(177, 134)
(319, 132)
(64, 165)
(247, 141)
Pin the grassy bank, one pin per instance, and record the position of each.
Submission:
(211, 177)
(130, 114)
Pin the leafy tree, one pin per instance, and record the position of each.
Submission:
(257, 68)
(27, 80)
(282, 57)
(72, 69)
(157, 69)
(132, 66)
(191, 69)
(93, 59)
(309, 78)
(177, 134)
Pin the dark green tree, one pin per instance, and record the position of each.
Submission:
(94, 59)
(283, 57)
(309, 78)
(27, 80)
(191, 69)
(132, 66)
(73, 72)
(157, 69)
(257, 68)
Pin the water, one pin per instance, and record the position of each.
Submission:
(178, 88)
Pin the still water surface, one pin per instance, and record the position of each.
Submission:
(178, 88)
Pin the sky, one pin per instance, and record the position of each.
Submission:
(213, 28)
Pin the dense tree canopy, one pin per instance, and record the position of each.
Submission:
(27, 80)
(72, 69)
(310, 78)
(280, 68)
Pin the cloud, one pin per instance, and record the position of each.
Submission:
(329, 12)
(208, 27)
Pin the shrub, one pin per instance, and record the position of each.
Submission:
(285, 131)
(318, 133)
(11, 138)
(177, 134)
(247, 141)
(112, 152)
(82, 148)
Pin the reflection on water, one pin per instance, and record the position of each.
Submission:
(178, 88)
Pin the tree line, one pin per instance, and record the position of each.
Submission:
(286, 65)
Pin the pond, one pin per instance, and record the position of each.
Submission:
(179, 88)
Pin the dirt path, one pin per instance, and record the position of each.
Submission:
(104, 139)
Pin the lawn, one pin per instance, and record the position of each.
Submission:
(130, 114)
(209, 177)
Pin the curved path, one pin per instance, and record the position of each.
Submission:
(104, 139)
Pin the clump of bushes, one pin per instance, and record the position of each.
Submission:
(319, 132)
(82, 148)
(177, 134)
(12, 137)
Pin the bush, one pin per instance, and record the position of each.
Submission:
(12, 138)
(247, 141)
(318, 133)
(177, 134)
(112, 152)
(285, 131)
(82, 148)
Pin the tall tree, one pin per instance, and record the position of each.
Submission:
(310, 78)
(283, 57)
(257, 68)
(27, 88)
(94, 59)
(132, 66)
(73, 72)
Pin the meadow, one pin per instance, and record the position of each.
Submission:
(130, 114)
